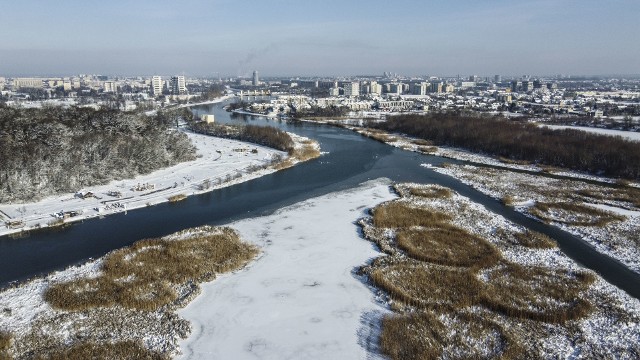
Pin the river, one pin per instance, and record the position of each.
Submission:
(349, 160)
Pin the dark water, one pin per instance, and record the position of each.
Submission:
(351, 159)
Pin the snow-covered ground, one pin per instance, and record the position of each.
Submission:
(220, 163)
(617, 239)
(629, 135)
(300, 299)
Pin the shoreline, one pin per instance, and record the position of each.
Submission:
(220, 163)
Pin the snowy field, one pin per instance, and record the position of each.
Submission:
(300, 299)
(220, 163)
(629, 135)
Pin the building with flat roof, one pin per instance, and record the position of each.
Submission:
(178, 85)
(352, 89)
(156, 85)
(37, 83)
(256, 79)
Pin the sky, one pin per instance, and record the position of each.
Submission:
(319, 38)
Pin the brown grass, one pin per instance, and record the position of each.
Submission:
(537, 293)
(431, 192)
(6, 339)
(422, 142)
(176, 198)
(123, 350)
(573, 214)
(143, 275)
(629, 195)
(398, 215)
(448, 245)
(412, 337)
(427, 149)
(427, 286)
(421, 336)
(508, 200)
(534, 240)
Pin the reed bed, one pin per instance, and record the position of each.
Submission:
(124, 350)
(144, 275)
(447, 245)
(431, 192)
(573, 214)
(537, 293)
(397, 214)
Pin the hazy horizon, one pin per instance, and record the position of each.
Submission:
(330, 38)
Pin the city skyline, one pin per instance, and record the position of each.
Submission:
(282, 37)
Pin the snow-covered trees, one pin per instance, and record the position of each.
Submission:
(52, 150)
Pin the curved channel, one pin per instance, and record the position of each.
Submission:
(350, 160)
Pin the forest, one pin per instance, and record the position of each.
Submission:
(517, 140)
(55, 150)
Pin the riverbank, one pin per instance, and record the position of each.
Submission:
(305, 297)
(464, 282)
(220, 163)
(299, 298)
(524, 185)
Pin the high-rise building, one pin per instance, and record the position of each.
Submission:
(420, 88)
(497, 78)
(256, 79)
(436, 87)
(178, 85)
(376, 88)
(110, 87)
(352, 89)
(156, 85)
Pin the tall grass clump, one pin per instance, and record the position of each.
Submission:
(447, 245)
(401, 215)
(431, 192)
(427, 286)
(6, 339)
(537, 293)
(144, 275)
(123, 350)
(412, 337)
(533, 240)
(574, 214)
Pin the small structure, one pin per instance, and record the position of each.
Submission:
(208, 118)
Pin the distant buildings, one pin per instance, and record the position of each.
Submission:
(110, 87)
(156, 85)
(178, 85)
(36, 83)
(256, 79)
(352, 89)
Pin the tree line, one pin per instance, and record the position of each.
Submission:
(569, 148)
(261, 135)
(55, 150)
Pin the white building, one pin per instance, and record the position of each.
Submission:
(352, 89)
(108, 87)
(28, 83)
(156, 85)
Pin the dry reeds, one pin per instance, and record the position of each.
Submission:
(176, 198)
(431, 192)
(6, 339)
(427, 286)
(447, 245)
(400, 215)
(421, 336)
(534, 240)
(143, 275)
(412, 337)
(537, 293)
(629, 195)
(123, 350)
(573, 214)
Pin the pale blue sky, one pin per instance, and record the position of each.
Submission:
(326, 37)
